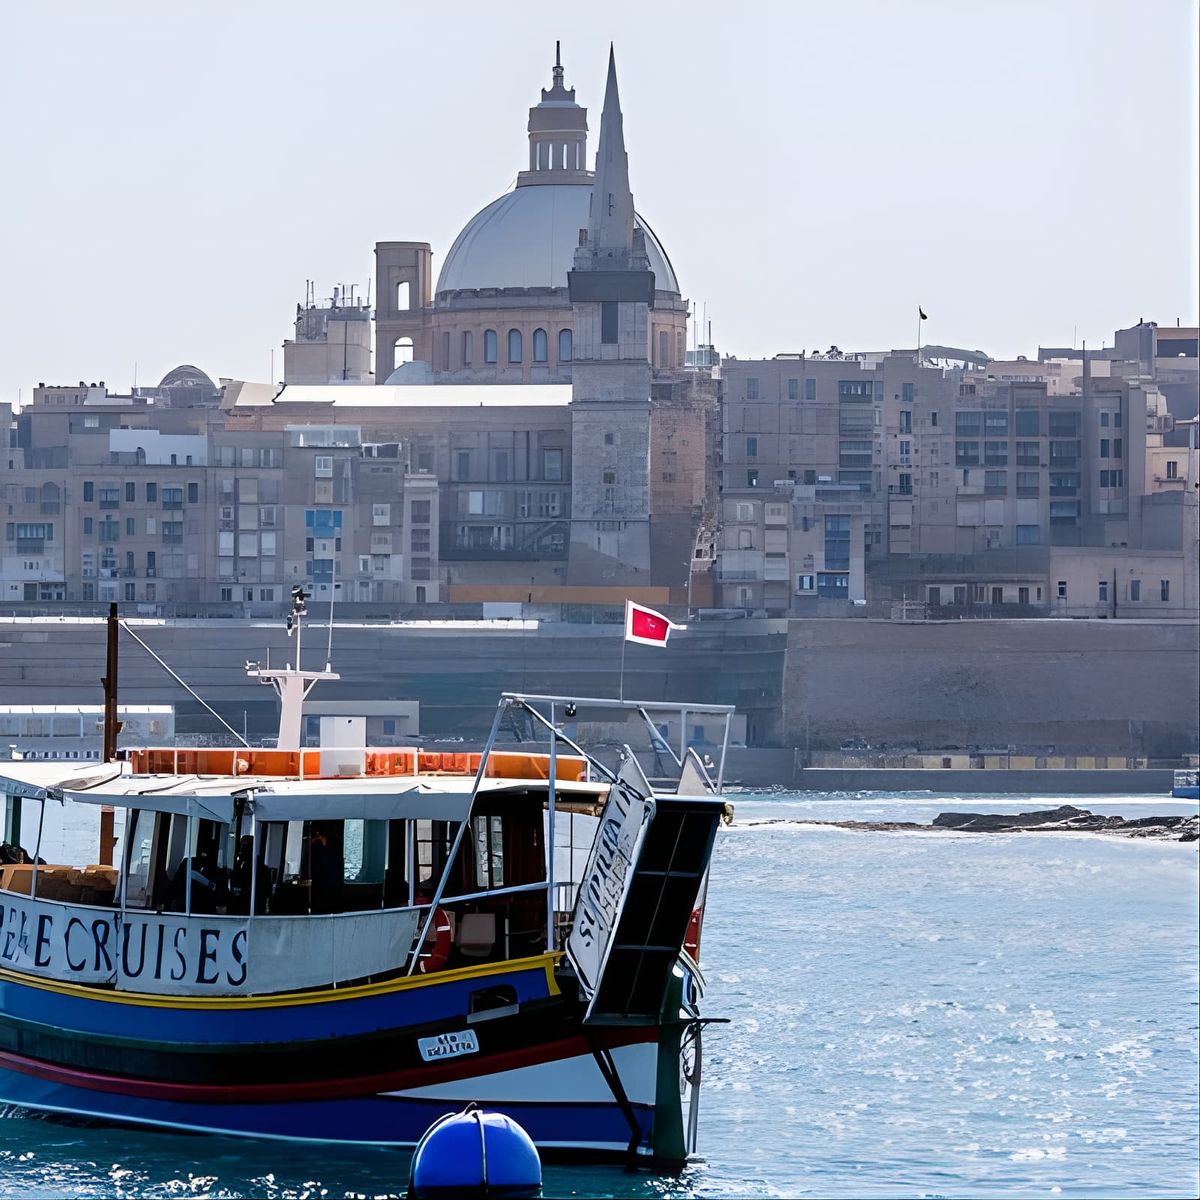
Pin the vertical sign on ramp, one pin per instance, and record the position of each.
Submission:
(605, 884)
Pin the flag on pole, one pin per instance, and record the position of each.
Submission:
(923, 315)
(646, 626)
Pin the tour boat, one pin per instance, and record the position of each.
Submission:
(332, 944)
(1185, 784)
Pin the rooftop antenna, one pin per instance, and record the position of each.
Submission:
(332, 597)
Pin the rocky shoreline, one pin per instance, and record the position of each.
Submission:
(1064, 819)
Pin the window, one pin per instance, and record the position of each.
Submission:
(1028, 483)
(468, 347)
(1135, 589)
(1064, 424)
(810, 389)
(907, 391)
(130, 492)
(227, 593)
(1118, 447)
(995, 454)
(1117, 419)
(515, 345)
(752, 478)
(752, 388)
(609, 477)
(905, 450)
(995, 424)
(995, 483)
(552, 465)
(1172, 469)
(89, 490)
(420, 512)
(905, 484)
(960, 594)
(381, 514)
(152, 493)
(806, 583)
(664, 348)
(130, 526)
(752, 447)
(418, 540)
(966, 454)
(1022, 595)
(997, 595)
(87, 525)
(933, 419)
(835, 587)
(403, 302)
(1029, 535)
(402, 352)
(837, 543)
(1062, 589)
(565, 345)
(193, 493)
(1164, 590)
(541, 346)
(1102, 591)
(968, 424)
(608, 322)
(323, 466)
(1104, 419)
(906, 420)
(1104, 446)
(1028, 454)
(1028, 422)
(110, 496)
(490, 346)
(793, 389)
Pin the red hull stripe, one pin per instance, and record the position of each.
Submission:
(323, 1089)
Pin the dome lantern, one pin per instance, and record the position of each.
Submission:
(557, 133)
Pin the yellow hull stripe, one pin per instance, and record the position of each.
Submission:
(285, 999)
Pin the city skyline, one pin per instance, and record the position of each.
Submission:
(202, 178)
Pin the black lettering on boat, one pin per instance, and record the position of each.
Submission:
(71, 924)
(100, 931)
(23, 936)
(7, 913)
(45, 927)
(162, 933)
(180, 932)
(237, 950)
(206, 955)
(125, 967)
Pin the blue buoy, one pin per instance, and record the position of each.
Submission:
(475, 1153)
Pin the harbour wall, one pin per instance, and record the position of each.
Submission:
(1118, 782)
(1124, 688)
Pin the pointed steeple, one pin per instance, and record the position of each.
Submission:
(611, 230)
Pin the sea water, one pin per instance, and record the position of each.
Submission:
(911, 1014)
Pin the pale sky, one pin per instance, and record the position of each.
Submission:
(1026, 170)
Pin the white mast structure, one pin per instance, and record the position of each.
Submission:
(291, 683)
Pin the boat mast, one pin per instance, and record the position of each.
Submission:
(291, 683)
(111, 727)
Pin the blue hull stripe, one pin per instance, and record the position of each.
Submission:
(258, 1026)
(385, 1120)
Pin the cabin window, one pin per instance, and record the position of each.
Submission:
(489, 851)
(432, 846)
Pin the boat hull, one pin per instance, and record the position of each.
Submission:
(350, 1067)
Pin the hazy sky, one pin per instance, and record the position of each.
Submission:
(174, 172)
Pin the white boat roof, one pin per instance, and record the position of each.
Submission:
(271, 798)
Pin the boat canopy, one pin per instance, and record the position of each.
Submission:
(380, 798)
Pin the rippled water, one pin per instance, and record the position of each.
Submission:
(912, 1015)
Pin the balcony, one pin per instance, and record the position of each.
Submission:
(31, 546)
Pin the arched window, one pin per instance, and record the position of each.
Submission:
(541, 346)
(564, 345)
(514, 345)
(489, 346)
(468, 347)
(403, 352)
(403, 303)
(664, 351)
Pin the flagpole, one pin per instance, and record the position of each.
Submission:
(919, 319)
(624, 640)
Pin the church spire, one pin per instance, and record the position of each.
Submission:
(612, 202)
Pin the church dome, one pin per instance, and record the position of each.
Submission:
(527, 239)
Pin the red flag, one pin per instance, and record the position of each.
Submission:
(647, 626)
